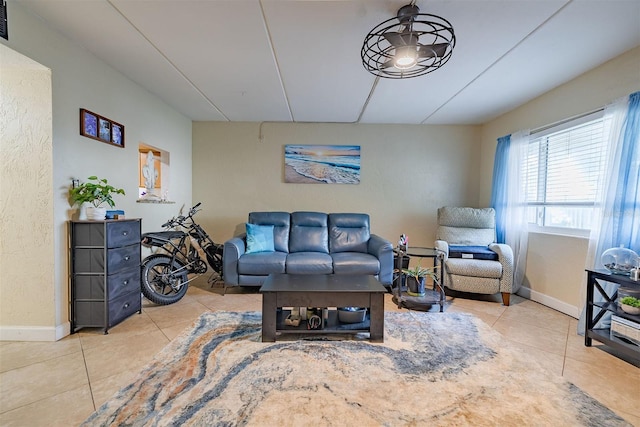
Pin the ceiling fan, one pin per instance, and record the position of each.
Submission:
(409, 45)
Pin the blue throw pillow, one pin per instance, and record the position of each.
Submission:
(259, 238)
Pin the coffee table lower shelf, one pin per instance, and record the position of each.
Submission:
(331, 325)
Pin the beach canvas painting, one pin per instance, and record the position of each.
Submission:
(322, 164)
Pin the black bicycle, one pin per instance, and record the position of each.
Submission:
(165, 273)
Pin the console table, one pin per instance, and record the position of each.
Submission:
(596, 310)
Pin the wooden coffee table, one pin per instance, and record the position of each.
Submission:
(318, 290)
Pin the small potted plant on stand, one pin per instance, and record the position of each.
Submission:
(95, 191)
(416, 279)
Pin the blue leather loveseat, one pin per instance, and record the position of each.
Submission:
(308, 243)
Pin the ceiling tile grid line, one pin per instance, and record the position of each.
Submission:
(497, 61)
(366, 102)
(169, 61)
(275, 59)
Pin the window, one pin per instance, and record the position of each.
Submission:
(563, 167)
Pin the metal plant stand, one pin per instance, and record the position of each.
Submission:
(435, 295)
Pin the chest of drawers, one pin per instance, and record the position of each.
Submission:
(105, 272)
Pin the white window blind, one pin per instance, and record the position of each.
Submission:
(563, 170)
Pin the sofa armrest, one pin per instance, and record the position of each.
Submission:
(383, 250)
(505, 257)
(443, 247)
(234, 248)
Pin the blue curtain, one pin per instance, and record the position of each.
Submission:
(499, 189)
(626, 206)
(621, 218)
(507, 198)
(619, 223)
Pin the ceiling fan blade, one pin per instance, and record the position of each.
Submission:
(431, 50)
(401, 39)
(387, 64)
(394, 38)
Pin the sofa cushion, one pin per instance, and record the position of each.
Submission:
(355, 263)
(472, 252)
(348, 232)
(259, 238)
(309, 263)
(262, 263)
(280, 222)
(309, 232)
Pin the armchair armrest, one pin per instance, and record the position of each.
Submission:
(443, 247)
(505, 257)
(504, 251)
(234, 248)
(383, 250)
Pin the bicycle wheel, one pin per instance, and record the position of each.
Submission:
(161, 283)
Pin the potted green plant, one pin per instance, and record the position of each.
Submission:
(630, 305)
(416, 279)
(95, 191)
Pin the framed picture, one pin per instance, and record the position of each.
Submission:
(88, 124)
(322, 164)
(100, 128)
(105, 129)
(117, 134)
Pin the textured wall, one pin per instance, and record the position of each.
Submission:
(26, 193)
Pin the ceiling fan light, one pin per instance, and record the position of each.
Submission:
(408, 45)
(406, 57)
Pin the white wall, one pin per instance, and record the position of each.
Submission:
(555, 264)
(80, 80)
(407, 172)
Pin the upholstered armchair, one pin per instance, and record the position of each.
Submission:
(473, 262)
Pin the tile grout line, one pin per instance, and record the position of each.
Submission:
(158, 327)
(49, 397)
(566, 346)
(86, 370)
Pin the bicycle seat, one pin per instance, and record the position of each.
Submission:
(165, 235)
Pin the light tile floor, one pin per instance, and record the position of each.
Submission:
(62, 383)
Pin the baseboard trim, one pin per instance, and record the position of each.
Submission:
(550, 302)
(34, 333)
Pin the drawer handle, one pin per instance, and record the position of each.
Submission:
(126, 305)
(124, 233)
(127, 258)
(125, 282)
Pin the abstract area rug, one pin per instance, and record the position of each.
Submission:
(432, 369)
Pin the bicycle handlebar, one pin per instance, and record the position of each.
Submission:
(194, 209)
(181, 219)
